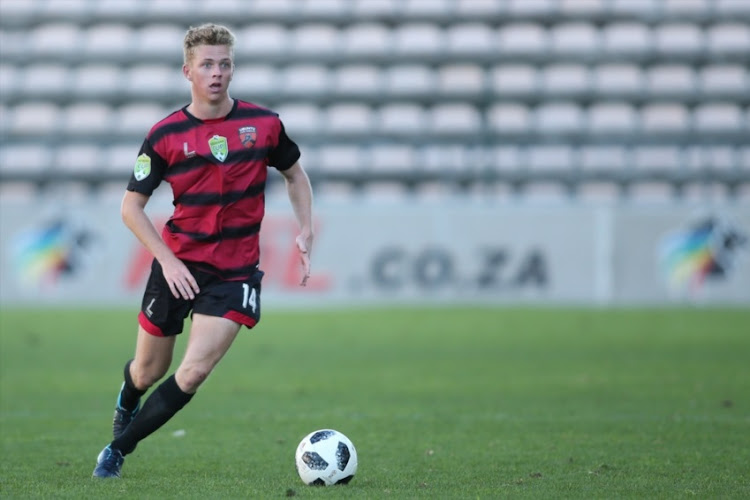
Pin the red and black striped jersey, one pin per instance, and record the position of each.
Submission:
(217, 170)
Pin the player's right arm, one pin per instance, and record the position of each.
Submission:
(181, 282)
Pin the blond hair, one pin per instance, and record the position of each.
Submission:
(206, 34)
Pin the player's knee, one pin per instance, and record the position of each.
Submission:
(190, 378)
(146, 376)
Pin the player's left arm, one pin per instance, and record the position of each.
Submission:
(300, 195)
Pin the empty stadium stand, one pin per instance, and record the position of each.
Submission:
(572, 98)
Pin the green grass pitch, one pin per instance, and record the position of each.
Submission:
(440, 403)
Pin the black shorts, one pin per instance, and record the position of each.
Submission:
(164, 315)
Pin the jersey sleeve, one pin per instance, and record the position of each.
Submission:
(148, 171)
(286, 152)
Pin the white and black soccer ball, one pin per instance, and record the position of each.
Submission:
(326, 457)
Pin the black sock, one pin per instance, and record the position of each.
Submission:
(129, 394)
(159, 407)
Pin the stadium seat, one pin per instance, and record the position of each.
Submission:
(461, 79)
(360, 79)
(317, 39)
(250, 79)
(4, 119)
(523, 38)
(454, 118)
(713, 158)
(340, 157)
(120, 157)
(507, 158)
(745, 158)
(78, 157)
(280, 8)
(411, 79)
(612, 158)
(574, 38)
(444, 158)
(11, 10)
(25, 158)
(366, 39)
(98, 80)
(718, 117)
(425, 7)
(309, 157)
(392, 157)
(36, 117)
(545, 192)
(471, 38)
(729, 38)
(719, 79)
(565, 79)
(159, 79)
(505, 118)
(633, 7)
(349, 118)
(162, 40)
(9, 77)
(480, 8)
(558, 117)
(368, 8)
(305, 79)
(520, 7)
(678, 38)
(658, 117)
(401, 118)
(300, 118)
(45, 79)
(136, 118)
(19, 192)
(695, 7)
(671, 80)
(271, 38)
(86, 118)
(110, 39)
(514, 79)
(608, 117)
(552, 157)
(327, 8)
(114, 8)
(627, 38)
(703, 192)
(657, 158)
(55, 38)
(598, 192)
(68, 8)
(581, 8)
(730, 7)
(651, 193)
(618, 79)
(418, 38)
(162, 7)
(384, 192)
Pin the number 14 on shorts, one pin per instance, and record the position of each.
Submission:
(249, 297)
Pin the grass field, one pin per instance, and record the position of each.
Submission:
(440, 403)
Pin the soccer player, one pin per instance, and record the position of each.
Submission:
(215, 153)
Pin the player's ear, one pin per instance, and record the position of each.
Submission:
(186, 72)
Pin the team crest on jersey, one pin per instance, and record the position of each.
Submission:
(248, 136)
(142, 167)
(219, 147)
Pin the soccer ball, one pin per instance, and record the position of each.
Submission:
(326, 457)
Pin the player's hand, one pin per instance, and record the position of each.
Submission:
(304, 245)
(180, 280)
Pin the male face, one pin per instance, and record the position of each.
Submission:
(209, 71)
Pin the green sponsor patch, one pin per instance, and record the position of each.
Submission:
(142, 167)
